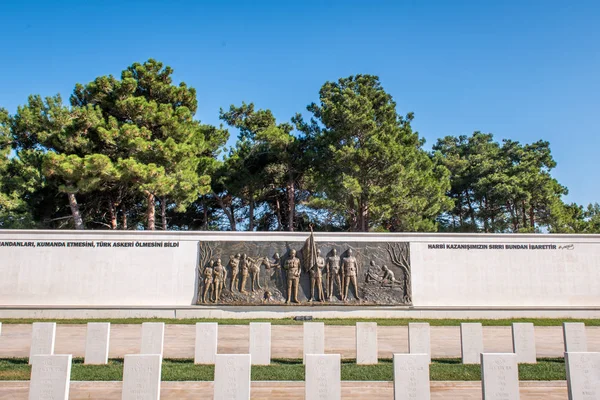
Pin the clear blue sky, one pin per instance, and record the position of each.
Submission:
(523, 70)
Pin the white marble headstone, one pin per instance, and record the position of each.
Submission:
(260, 343)
(153, 336)
(0, 328)
(411, 377)
(323, 377)
(42, 339)
(50, 377)
(96, 343)
(206, 342)
(141, 377)
(471, 342)
(366, 343)
(523, 335)
(314, 339)
(574, 337)
(419, 338)
(583, 375)
(232, 377)
(499, 376)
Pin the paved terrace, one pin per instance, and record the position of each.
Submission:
(286, 340)
(14, 390)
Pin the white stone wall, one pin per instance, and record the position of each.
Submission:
(565, 276)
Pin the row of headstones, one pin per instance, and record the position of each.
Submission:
(50, 376)
(98, 334)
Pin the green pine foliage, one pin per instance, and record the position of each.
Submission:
(128, 153)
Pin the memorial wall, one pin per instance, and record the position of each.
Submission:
(178, 269)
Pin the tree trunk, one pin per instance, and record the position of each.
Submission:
(124, 217)
(291, 202)
(251, 214)
(523, 210)
(278, 212)
(75, 211)
(163, 213)
(150, 211)
(205, 214)
(113, 214)
(531, 216)
(227, 211)
(364, 215)
(471, 212)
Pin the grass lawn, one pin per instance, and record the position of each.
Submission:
(286, 370)
(336, 321)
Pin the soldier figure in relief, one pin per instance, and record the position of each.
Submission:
(208, 280)
(388, 276)
(275, 264)
(292, 266)
(371, 275)
(254, 269)
(333, 274)
(350, 266)
(219, 277)
(244, 269)
(234, 262)
(316, 277)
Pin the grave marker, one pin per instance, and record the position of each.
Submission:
(206, 342)
(96, 343)
(314, 339)
(232, 377)
(523, 334)
(499, 376)
(471, 342)
(366, 343)
(141, 377)
(411, 377)
(42, 339)
(574, 337)
(260, 343)
(323, 377)
(153, 336)
(419, 339)
(50, 377)
(583, 375)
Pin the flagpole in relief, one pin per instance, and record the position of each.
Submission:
(309, 251)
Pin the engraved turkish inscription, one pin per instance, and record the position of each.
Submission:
(323, 377)
(366, 343)
(153, 334)
(419, 339)
(471, 342)
(206, 342)
(42, 339)
(284, 272)
(499, 376)
(232, 377)
(314, 338)
(583, 375)
(141, 377)
(411, 377)
(260, 343)
(523, 334)
(50, 377)
(574, 336)
(96, 343)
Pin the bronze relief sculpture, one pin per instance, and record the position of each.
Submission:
(335, 273)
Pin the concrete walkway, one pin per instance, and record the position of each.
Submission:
(286, 340)
(17, 390)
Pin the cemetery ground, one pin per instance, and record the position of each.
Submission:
(174, 343)
(547, 369)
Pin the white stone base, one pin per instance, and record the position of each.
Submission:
(275, 312)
